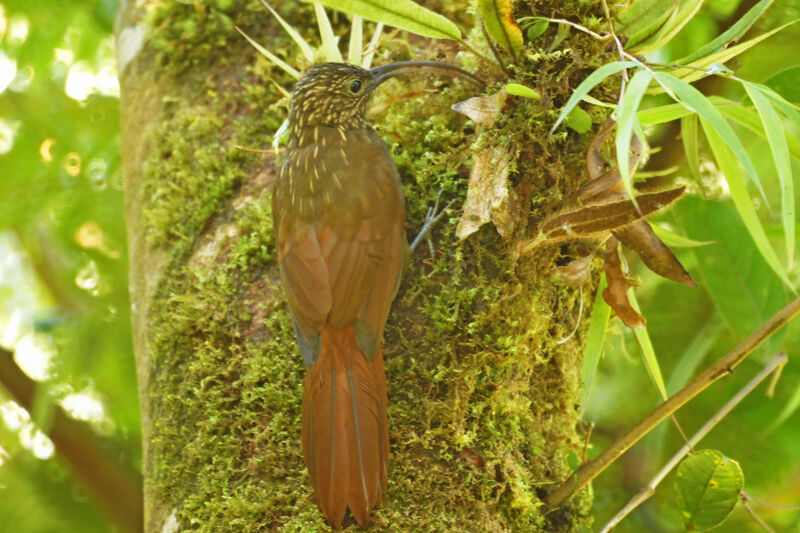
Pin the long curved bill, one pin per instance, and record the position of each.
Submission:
(384, 72)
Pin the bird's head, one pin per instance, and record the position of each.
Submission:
(336, 94)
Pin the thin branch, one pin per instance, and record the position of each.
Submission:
(750, 510)
(115, 487)
(776, 362)
(720, 368)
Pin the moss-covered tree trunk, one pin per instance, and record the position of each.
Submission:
(482, 397)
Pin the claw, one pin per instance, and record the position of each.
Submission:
(431, 218)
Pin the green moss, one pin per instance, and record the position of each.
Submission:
(481, 396)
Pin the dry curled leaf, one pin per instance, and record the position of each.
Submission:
(639, 237)
(616, 294)
(483, 110)
(488, 196)
(575, 273)
(598, 218)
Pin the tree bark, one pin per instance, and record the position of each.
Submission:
(482, 397)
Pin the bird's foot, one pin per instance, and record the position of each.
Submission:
(431, 218)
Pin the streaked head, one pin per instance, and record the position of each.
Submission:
(336, 94)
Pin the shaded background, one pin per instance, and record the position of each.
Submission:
(64, 309)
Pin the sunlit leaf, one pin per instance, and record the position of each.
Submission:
(403, 14)
(690, 139)
(743, 287)
(579, 120)
(305, 48)
(662, 114)
(330, 48)
(748, 118)
(521, 90)
(356, 41)
(695, 70)
(742, 200)
(500, 24)
(686, 9)
(734, 33)
(694, 353)
(643, 18)
(787, 84)
(677, 241)
(588, 84)
(272, 57)
(708, 486)
(697, 102)
(626, 119)
(595, 339)
(780, 154)
(648, 352)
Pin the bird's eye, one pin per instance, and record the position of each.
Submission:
(355, 86)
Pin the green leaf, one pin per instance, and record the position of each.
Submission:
(743, 287)
(741, 200)
(788, 410)
(499, 21)
(536, 29)
(403, 14)
(695, 352)
(579, 120)
(521, 90)
(662, 114)
(330, 49)
(305, 48)
(748, 118)
(595, 339)
(679, 18)
(787, 84)
(696, 69)
(733, 33)
(588, 84)
(673, 240)
(690, 139)
(697, 102)
(648, 353)
(708, 486)
(272, 57)
(626, 121)
(643, 18)
(780, 154)
(356, 41)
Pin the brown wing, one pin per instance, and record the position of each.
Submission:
(342, 266)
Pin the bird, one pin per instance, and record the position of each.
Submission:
(339, 224)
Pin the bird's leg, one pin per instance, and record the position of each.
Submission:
(431, 218)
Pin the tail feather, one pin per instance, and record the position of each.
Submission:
(345, 428)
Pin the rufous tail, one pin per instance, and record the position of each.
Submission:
(345, 428)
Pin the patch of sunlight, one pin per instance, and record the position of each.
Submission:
(3, 456)
(88, 278)
(713, 180)
(83, 406)
(39, 444)
(34, 356)
(3, 22)
(14, 416)
(8, 131)
(8, 71)
(18, 30)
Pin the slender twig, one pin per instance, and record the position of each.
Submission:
(745, 499)
(720, 368)
(776, 362)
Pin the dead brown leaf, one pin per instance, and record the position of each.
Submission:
(639, 237)
(616, 294)
(488, 196)
(483, 110)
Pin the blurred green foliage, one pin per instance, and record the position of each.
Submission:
(63, 253)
